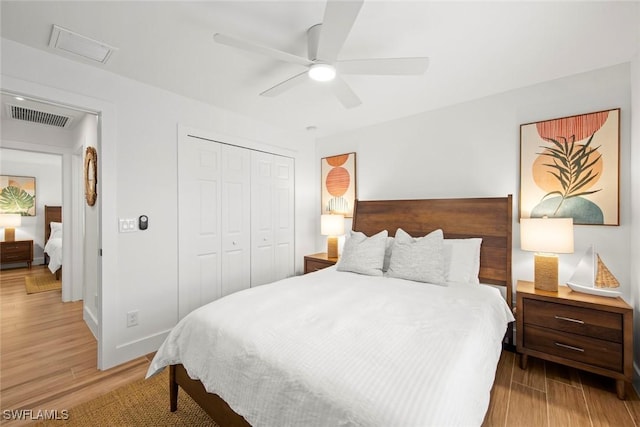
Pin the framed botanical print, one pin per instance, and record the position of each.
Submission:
(569, 168)
(18, 195)
(338, 184)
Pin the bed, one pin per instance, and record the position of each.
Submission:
(53, 239)
(339, 348)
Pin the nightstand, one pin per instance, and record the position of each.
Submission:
(16, 251)
(317, 262)
(583, 331)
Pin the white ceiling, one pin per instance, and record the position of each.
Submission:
(475, 48)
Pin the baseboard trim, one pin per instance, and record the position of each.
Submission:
(130, 350)
(91, 321)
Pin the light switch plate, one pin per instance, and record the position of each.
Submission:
(127, 225)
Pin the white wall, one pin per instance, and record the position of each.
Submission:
(138, 175)
(472, 150)
(47, 170)
(635, 208)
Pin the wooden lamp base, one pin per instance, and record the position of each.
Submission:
(9, 234)
(546, 272)
(332, 247)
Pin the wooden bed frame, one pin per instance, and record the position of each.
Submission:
(51, 214)
(487, 218)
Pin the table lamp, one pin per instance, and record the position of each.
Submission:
(547, 237)
(333, 226)
(9, 222)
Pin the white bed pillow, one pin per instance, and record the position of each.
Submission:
(362, 254)
(420, 259)
(56, 230)
(462, 260)
(387, 254)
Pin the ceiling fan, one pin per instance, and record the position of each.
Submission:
(324, 43)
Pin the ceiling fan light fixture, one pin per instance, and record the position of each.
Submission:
(322, 72)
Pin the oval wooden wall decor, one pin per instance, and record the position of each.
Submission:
(91, 175)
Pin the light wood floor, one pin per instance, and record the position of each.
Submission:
(548, 394)
(48, 356)
(48, 361)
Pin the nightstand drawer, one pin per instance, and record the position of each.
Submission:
(317, 262)
(311, 266)
(16, 256)
(10, 248)
(16, 251)
(584, 321)
(592, 351)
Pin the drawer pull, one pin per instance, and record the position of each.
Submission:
(568, 319)
(570, 347)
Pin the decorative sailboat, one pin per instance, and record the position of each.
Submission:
(593, 277)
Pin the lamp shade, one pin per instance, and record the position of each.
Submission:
(10, 220)
(551, 235)
(332, 225)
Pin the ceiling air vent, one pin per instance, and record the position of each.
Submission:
(77, 44)
(35, 116)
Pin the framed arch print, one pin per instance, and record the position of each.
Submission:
(91, 175)
(338, 177)
(569, 168)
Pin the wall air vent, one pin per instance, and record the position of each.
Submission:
(35, 116)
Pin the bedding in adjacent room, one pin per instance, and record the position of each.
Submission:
(53, 247)
(339, 348)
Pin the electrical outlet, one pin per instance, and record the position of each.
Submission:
(132, 318)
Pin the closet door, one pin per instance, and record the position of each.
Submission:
(284, 224)
(236, 219)
(262, 217)
(199, 240)
(272, 252)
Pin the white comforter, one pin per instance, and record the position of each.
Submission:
(53, 248)
(338, 349)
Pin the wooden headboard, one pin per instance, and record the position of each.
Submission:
(488, 218)
(51, 214)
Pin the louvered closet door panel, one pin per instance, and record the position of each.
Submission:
(199, 240)
(284, 210)
(262, 219)
(236, 219)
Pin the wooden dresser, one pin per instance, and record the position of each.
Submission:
(16, 252)
(584, 331)
(317, 262)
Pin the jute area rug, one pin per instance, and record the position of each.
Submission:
(42, 283)
(141, 403)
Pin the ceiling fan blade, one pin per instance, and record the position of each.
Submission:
(345, 95)
(286, 85)
(263, 50)
(384, 66)
(339, 16)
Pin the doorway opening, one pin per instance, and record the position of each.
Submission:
(34, 129)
